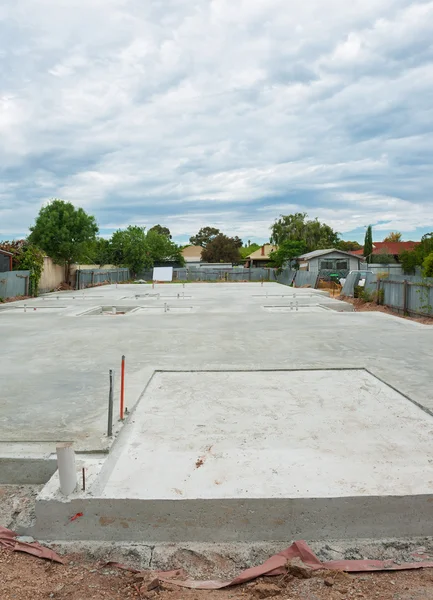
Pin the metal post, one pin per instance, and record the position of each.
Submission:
(405, 288)
(110, 405)
(377, 290)
(122, 388)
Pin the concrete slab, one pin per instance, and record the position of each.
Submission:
(273, 434)
(294, 308)
(250, 456)
(54, 367)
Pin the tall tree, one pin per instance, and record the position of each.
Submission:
(161, 230)
(348, 246)
(63, 232)
(298, 228)
(161, 249)
(204, 236)
(99, 252)
(368, 244)
(221, 249)
(394, 236)
(427, 265)
(129, 249)
(410, 260)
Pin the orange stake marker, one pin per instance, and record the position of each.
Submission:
(122, 388)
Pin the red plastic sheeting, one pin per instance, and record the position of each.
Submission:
(276, 565)
(8, 540)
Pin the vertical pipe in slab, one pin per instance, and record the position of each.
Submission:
(67, 468)
(110, 405)
(122, 388)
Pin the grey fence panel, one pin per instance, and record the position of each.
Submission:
(286, 276)
(306, 278)
(370, 283)
(350, 284)
(420, 298)
(393, 293)
(410, 294)
(14, 283)
(218, 274)
(391, 269)
(89, 277)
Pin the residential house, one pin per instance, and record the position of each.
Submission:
(329, 260)
(394, 249)
(192, 255)
(260, 257)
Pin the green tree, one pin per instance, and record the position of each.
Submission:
(161, 230)
(348, 246)
(393, 236)
(99, 252)
(286, 252)
(384, 259)
(298, 228)
(129, 249)
(415, 258)
(221, 249)
(161, 249)
(26, 257)
(427, 265)
(63, 232)
(409, 261)
(204, 236)
(368, 244)
(426, 245)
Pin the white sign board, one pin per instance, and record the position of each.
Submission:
(162, 273)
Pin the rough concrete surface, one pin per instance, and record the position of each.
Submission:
(272, 434)
(311, 431)
(54, 366)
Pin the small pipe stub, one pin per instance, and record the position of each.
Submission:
(67, 468)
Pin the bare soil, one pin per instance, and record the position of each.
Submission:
(23, 576)
(16, 298)
(360, 306)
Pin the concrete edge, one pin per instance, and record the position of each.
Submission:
(26, 470)
(232, 520)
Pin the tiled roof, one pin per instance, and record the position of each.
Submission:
(392, 248)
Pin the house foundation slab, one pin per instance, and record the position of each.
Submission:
(256, 455)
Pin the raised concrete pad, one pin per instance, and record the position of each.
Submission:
(282, 434)
(258, 455)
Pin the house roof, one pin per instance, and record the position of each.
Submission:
(316, 253)
(389, 248)
(4, 252)
(192, 252)
(262, 253)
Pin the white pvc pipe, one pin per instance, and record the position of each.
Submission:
(67, 468)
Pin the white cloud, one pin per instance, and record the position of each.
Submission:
(187, 113)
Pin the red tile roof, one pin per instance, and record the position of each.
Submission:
(393, 248)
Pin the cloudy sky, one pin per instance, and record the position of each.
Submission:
(218, 112)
